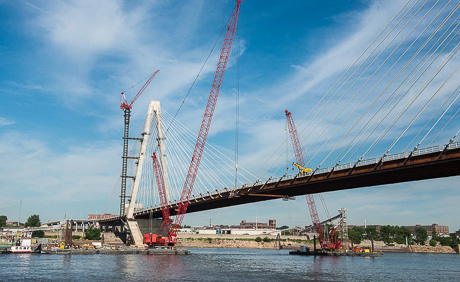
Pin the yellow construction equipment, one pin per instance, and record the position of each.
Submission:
(302, 169)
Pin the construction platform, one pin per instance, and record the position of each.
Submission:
(127, 251)
(305, 251)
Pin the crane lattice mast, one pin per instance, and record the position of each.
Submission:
(300, 161)
(162, 194)
(206, 123)
(126, 107)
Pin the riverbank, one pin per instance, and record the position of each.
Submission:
(241, 241)
(401, 248)
(232, 241)
(293, 242)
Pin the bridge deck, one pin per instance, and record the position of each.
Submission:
(433, 162)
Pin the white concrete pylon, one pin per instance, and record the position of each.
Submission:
(142, 151)
(161, 147)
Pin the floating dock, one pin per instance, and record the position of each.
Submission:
(325, 253)
(127, 251)
(305, 251)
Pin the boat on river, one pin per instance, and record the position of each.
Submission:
(24, 245)
(305, 251)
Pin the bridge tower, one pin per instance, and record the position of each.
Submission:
(136, 234)
(161, 147)
(126, 107)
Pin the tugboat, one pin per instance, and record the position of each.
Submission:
(25, 245)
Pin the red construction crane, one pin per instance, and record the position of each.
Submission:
(124, 103)
(206, 123)
(326, 243)
(157, 239)
(126, 107)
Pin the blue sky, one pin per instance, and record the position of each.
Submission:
(64, 64)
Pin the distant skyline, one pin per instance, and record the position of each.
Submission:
(64, 64)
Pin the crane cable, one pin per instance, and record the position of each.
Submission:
(237, 106)
(199, 73)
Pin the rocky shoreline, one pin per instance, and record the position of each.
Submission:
(234, 243)
(250, 243)
(401, 248)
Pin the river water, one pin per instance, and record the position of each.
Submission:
(230, 265)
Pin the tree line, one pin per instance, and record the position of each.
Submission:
(400, 235)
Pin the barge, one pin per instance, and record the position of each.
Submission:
(305, 251)
(120, 251)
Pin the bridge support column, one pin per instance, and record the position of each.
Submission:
(136, 233)
(161, 147)
(132, 224)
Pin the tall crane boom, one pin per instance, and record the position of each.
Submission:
(298, 152)
(124, 103)
(207, 118)
(300, 161)
(161, 192)
(126, 107)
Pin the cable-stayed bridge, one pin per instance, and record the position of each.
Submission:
(428, 163)
(390, 117)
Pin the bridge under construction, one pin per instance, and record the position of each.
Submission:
(401, 92)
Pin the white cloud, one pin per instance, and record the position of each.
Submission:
(34, 172)
(5, 122)
(87, 28)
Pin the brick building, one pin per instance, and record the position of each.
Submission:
(100, 216)
(253, 225)
(440, 229)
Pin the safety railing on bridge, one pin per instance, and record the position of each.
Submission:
(424, 151)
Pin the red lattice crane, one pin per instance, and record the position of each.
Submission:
(157, 239)
(206, 123)
(126, 107)
(331, 242)
(124, 103)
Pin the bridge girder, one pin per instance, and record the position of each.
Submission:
(422, 167)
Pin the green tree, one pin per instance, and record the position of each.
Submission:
(420, 235)
(432, 242)
(38, 233)
(386, 234)
(356, 234)
(33, 221)
(258, 239)
(283, 227)
(3, 220)
(445, 241)
(401, 233)
(435, 236)
(266, 239)
(371, 232)
(454, 239)
(93, 233)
